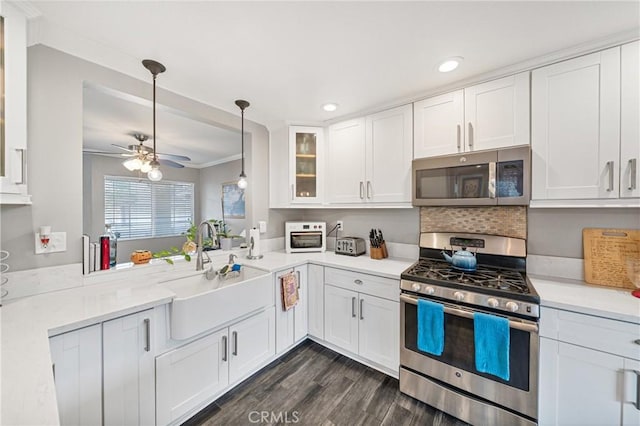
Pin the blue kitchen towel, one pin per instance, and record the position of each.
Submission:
(491, 339)
(430, 327)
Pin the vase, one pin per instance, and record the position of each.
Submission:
(226, 243)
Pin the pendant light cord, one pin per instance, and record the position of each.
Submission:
(155, 155)
(242, 130)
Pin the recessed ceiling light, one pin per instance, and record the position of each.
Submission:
(330, 107)
(450, 64)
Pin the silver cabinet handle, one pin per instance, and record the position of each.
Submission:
(147, 326)
(359, 282)
(23, 166)
(492, 180)
(637, 389)
(293, 192)
(53, 367)
(637, 341)
(369, 189)
(235, 343)
(470, 135)
(224, 348)
(298, 274)
(458, 130)
(361, 313)
(610, 171)
(362, 190)
(353, 307)
(632, 174)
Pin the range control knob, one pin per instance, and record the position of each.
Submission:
(415, 287)
(492, 302)
(429, 290)
(512, 306)
(458, 295)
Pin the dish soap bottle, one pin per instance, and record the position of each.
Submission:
(113, 244)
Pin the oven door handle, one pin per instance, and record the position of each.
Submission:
(524, 326)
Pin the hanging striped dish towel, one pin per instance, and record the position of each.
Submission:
(289, 290)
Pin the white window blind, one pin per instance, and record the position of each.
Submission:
(139, 208)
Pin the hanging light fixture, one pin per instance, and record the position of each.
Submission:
(154, 172)
(242, 182)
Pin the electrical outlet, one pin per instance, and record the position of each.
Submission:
(340, 225)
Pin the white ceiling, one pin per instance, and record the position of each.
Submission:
(288, 58)
(111, 117)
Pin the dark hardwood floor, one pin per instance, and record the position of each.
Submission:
(313, 385)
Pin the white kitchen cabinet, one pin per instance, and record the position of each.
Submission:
(496, 113)
(13, 146)
(490, 115)
(252, 342)
(305, 164)
(630, 121)
(189, 376)
(362, 315)
(77, 370)
(587, 370)
(346, 160)
(315, 290)
(341, 317)
(291, 325)
(128, 370)
(575, 128)
(438, 125)
(378, 338)
(370, 159)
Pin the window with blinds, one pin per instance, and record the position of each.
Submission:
(139, 208)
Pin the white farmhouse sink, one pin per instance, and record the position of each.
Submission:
(201, 304)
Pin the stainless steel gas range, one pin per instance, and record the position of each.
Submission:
(499, 286)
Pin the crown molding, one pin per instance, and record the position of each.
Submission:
(217, 162)
(27, 7)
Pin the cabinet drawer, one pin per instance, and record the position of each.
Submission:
(363, 283)
(616, 337)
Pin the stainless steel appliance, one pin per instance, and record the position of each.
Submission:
(497, 177)
(499, 286)
(351, 246)
(304, 237)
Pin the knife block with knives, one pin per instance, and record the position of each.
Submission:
(378, 249)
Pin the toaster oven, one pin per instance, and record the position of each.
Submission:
(305, 237)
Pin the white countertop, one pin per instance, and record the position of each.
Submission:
(28, 391)
(578, 296)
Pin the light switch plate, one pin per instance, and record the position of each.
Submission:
(57, 243)
(262, 226)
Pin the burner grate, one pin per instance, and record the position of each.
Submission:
(500, 279)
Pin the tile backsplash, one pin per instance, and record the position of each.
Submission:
(510, 221)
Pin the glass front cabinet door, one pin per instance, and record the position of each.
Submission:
(305, 164)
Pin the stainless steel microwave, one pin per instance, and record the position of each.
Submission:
(304, 237)
(493, 177)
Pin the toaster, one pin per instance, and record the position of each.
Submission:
(351, 246)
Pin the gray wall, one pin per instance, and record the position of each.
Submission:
(54, 166)
(95, 167)
(211, 180)
(558, 232)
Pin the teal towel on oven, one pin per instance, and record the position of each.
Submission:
(491, 339)
(430, 327)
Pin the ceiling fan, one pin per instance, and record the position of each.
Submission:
(141, 155)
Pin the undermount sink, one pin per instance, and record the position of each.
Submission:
(201, 304)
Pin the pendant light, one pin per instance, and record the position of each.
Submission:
(242, 182)
(155, 68)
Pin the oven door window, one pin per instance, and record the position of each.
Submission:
(453, 182)
(459, 350)
(302, 240)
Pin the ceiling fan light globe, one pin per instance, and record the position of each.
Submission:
(242, 182)
(145, 167)
(154, 174)
(132, 164)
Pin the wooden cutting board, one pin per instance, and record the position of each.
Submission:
(609, 255)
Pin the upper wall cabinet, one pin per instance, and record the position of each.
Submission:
(13, 106)
(295, 167)
(490, 115)
(370, 159)
(577, 152)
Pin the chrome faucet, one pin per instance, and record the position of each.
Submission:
(199, 244)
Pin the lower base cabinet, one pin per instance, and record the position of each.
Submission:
(77, 371)
(191, 375)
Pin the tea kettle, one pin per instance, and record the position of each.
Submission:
(463, 260)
